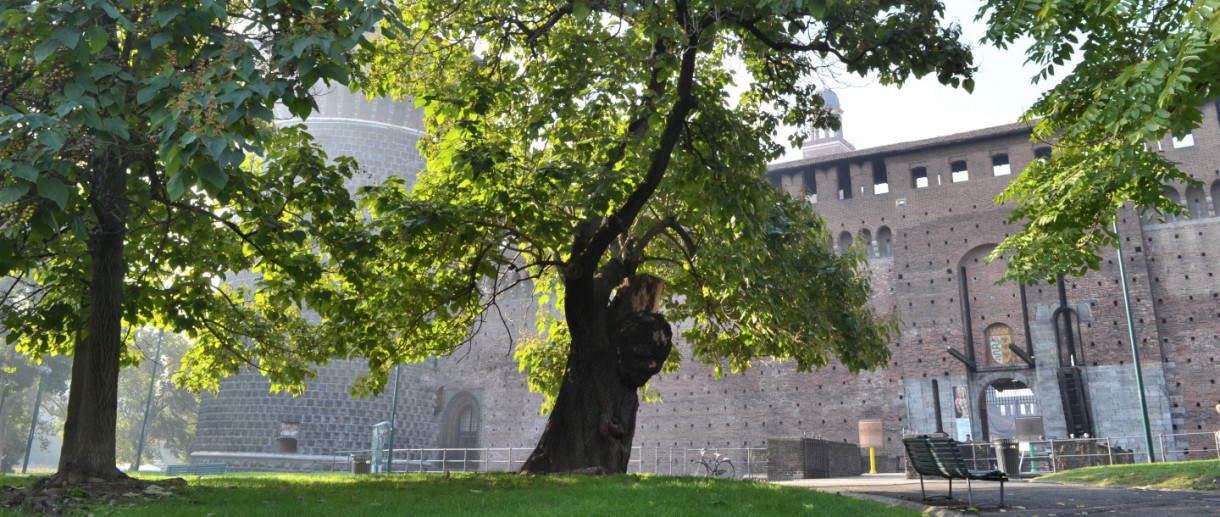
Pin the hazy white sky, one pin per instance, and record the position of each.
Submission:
(875, 115)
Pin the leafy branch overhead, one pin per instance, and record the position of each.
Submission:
(574, 145)
(130, 192)
(1142, 71)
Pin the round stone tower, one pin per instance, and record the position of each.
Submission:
(249, 428)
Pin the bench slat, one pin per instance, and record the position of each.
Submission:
(195, 469)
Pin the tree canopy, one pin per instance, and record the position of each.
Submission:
(139, 167)
(1143, 70)
(583, 148)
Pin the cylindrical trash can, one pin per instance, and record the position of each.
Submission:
(361, 463)
(1008, 456)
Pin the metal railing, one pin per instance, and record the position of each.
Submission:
(749, 462)
(1054, 455)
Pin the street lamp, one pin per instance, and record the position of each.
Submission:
(29, 444)
(152, 381)
(1139, 373)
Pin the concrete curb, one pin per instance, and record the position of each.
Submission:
(894, 501)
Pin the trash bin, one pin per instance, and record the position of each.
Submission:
(361, 463)
(1008, 456)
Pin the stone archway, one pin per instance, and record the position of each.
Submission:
(461, 422)
(999, 398)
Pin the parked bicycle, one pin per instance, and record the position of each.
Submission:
(715, 465)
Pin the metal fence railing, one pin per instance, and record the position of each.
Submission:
(748, 462)
(1054, 455)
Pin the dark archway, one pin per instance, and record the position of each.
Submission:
(1001, 402)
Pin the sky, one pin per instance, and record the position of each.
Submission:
(876, 115)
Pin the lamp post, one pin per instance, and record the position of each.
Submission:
(29, 444)
(389, 460)
(152, 381)
(1139, 373)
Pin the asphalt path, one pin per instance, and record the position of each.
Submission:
(1021, 498)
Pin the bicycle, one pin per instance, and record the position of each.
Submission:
(715, 466)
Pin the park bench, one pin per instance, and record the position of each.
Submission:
(195, 469)
(940, 457)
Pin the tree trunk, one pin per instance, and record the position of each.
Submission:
(89, 430)
(614, 351)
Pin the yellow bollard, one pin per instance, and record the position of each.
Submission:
(872, 460)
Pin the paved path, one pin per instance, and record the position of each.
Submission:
(1022, 498)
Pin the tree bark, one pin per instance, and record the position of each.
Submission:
(89, 430)
(614, 351)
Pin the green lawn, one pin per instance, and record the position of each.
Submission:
(479, 494)
(1192, 475)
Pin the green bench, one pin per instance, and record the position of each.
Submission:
(195, 469)
(941, 457)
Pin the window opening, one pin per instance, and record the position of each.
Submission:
(1042, 153)
(881, 182)
(1186, 141)
(999, 165)
(919, 177)
(885, 242)
(811, 187)
(960, 172)
(844, 176)
(1196, 202)
(844, 241)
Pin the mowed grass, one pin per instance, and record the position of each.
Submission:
(495, 494)
(1187, 475)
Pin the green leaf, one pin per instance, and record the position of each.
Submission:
(44, 49)
(51, 188)
(51, 138)
(68, 36)
(581, 10)
(177, 186)
(25, 171)
(12, 193)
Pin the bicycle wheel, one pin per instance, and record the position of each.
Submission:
(700, 469)
(725, 470)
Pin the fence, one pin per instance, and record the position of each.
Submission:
(748, 462)
(1065, 454)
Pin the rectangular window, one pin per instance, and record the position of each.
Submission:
(1186, 141)
(960, 173)
(919, 177)
(999, 165)
(844, 176)
(1042, 153)
(811, 187)
(881, 181)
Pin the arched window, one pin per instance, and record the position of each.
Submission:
(844, 241)
(885, 245)
(865, 240)
(1196, 203)
(461, 422)
(1172, 194)
(998, 337)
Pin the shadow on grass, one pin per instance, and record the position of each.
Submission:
(490, 494)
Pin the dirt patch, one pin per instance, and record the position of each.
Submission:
(47, 497)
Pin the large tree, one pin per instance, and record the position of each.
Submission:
(129, 187)
(1142, 70)
(594, 150)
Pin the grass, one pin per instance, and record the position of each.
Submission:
(299, 495)
(1187, 475)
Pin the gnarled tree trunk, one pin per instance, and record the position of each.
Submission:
(615, 349)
